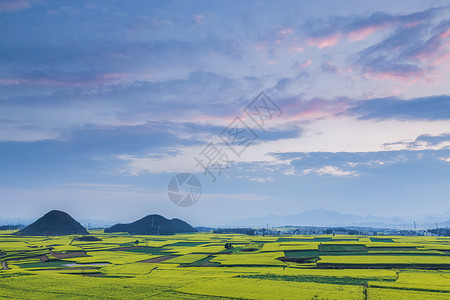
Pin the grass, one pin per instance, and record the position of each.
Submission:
(255, 259)
(386, 260)
(315, 279)
(418, 280)
(388, 294)
(250, 288)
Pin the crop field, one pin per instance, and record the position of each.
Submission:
(198, 266)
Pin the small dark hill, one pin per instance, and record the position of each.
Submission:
(152, 225)
(54, 223)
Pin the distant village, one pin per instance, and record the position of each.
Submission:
(310, 230)
(306, 230)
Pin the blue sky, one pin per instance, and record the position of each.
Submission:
(102, 103)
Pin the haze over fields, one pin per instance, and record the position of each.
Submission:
(102, 103)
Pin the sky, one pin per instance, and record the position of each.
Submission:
(102, 103)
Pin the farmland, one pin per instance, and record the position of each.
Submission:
(198, 266)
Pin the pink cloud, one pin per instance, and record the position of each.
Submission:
(410, 77)
(362, 33)
(285, 31)
(306, 63)
(261, 47)
(198, 19)
(441, 59)
(315, 109)
(296, 48)
(345, 71)
(303, 65)
(427, 64)
(311, 114)
(445, 34)
(265, 52)
(411, 24)
(436, 51)
(322, 42)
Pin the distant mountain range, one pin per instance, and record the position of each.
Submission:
(322, 217)
(315, 217)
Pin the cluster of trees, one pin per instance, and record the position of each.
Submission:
(341, 229)
(10, 227)
(247, 231)
(440, 231)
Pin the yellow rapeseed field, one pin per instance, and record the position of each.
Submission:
(198, 266)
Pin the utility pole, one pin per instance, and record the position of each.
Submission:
(415, 228)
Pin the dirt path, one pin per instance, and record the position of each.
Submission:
(44, 258)
(5, 265)
(69, 254)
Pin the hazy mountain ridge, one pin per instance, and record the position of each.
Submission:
(315, 217)
(322, 217)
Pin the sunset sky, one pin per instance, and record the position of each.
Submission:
(103, 102)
